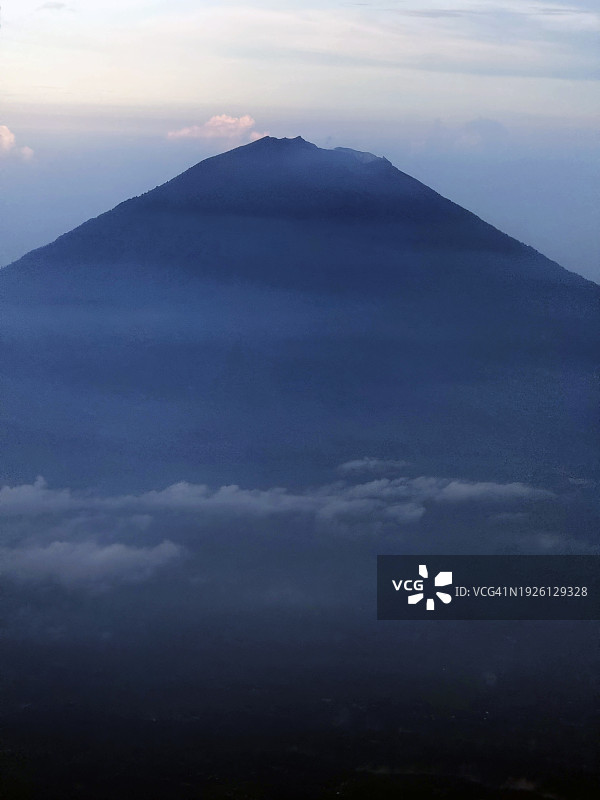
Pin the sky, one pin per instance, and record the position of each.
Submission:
(495, 104)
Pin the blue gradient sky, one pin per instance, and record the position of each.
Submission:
(494, 104)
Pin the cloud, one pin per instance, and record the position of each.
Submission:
(7, 139)
(458, 492)
(314, 53)
(402, 498)
(221, 126)
(51, 7)
(8, 145)
(87, 541)
(35, 498)
(74, 564)
(26, 153)
(571, 16)
(504, 38)
(377, 465)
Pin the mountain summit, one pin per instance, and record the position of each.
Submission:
(281, 308)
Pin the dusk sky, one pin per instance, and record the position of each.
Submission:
(493, 104)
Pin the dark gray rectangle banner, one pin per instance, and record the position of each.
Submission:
(488, 587)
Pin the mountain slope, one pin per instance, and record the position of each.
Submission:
(280, 308)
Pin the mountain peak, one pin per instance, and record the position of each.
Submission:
(283, 143)
(293, 177)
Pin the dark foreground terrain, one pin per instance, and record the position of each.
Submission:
(307, 734)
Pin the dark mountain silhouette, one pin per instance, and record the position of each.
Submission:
(281, 308)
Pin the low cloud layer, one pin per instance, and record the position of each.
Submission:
(399, 496)
(88, 564)
(85, 540)
(221, 126)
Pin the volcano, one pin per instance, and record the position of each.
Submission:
(237, 390)
(282, 308)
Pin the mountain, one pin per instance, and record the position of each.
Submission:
(281, 308)
(379, 371)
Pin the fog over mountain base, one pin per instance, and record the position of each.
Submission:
(239, 389)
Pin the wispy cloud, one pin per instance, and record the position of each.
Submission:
(226, 53)
(372, 465)
(501, 38)
(221, 126)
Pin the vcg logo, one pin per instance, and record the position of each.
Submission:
(416, 586)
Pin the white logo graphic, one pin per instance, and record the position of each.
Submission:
(441, 579)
